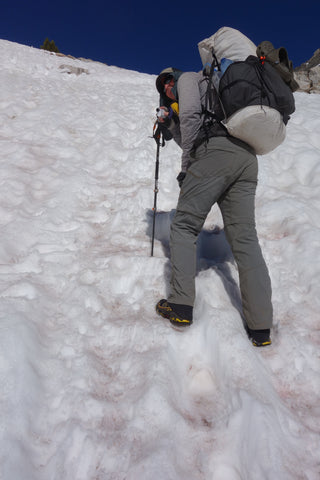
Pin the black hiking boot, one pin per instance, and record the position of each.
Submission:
(179, 315)
(260, 338)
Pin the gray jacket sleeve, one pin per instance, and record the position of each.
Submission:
(189, 114)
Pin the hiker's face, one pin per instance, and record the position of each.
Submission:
(168, 89)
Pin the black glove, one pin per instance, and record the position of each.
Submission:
(167, 135)
(180, 178)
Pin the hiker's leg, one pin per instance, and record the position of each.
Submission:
(217, 166)
(185, 228)
(237, 206)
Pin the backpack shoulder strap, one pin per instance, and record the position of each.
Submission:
(209, 71)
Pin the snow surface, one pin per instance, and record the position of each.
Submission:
(94, 385)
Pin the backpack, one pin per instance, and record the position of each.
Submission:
(255, 99)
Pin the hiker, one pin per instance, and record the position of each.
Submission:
(215, 168)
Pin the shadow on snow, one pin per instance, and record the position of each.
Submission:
(213, 251)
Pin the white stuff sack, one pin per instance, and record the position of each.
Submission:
(261, 127)
(227, 43)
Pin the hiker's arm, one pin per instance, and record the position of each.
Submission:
(189, 114)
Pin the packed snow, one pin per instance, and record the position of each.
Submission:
(94, 385)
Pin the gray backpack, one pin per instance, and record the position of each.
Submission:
(255, 98)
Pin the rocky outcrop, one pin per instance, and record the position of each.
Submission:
(308, 74)
(72, 69)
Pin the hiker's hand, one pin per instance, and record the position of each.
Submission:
(167, 135)
(180, 178)
(162, 114)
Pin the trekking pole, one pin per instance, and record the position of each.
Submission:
(157, 136)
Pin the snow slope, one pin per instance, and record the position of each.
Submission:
(93, 384)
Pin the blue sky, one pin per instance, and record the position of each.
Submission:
(147, 36)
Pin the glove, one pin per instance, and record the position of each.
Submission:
(181, 177)
(167, 135)
(162, 113)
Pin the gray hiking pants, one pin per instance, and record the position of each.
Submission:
(224, 172)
